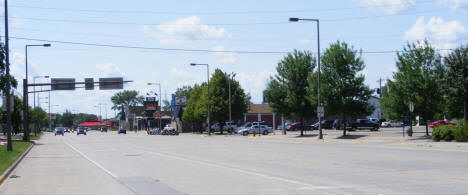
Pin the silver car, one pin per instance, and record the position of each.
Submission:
(392, 124)
(265, 130)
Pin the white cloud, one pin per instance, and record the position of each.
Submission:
(254, 83)
(110, 70)
(223, 56)
(304, 41)
(184, 30)
(388, 6)
(456, 4)
(442, 34)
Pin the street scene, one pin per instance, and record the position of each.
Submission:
(234, 97)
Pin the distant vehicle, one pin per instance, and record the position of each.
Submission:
(265, 130)
(374, 120)
(153, 131)
(297, 125)
(249, 124)
(363, 124)
(228, 126)
(59, 131)
(338, 123)
(81, 130)
(103, 129)
(326, 124)
(440, 122)
(392, 124)
(68, 130)
(122, 130)
(169, 130)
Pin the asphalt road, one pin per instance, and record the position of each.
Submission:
(107, 163)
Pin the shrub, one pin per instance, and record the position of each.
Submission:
(461, 131)
(443, 132)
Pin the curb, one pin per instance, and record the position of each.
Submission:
(13, 166)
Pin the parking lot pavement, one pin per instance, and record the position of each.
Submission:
(194, 164)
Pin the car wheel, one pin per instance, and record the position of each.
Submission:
(353, 128)
(245, 133)
(265, 132)
(55, 134)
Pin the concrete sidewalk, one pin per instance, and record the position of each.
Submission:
(52, 167)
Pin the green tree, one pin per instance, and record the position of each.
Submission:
(456, 85)
(68, 119)
(343, 89)
(195, 111)
(419, 79)
(183, 91)
(166, 106)
(126, 98)
(3, 77)
(288, 91)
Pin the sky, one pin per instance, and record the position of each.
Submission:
(155, 41)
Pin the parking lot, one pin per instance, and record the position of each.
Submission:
(137, 163)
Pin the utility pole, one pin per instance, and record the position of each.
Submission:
(380, 87)
(7, 74)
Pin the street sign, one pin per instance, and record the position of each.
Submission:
(320, 111)
(52, 116)
(111, 83)
(12, 103)
(411, 107)
(89, 83)
(131, 116)
(406, 120)
(62, 84)
(181, 100)
(259, 117)
(150, 99)
(153, 105)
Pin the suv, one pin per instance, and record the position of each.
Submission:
(59, 131)
(228, 126)
(364, 124)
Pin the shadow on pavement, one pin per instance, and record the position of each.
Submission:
(421, 138)
(352, 136)
(299, 136)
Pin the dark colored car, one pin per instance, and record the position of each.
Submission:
(363, 124)
(103, 129)
(338, 124)
(80, 130)
(326, 124)
(59, 131)
(122, 130)
(297, 126)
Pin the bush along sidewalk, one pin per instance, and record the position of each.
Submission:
(457, 132)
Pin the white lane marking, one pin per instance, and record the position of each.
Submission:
(90, 160)
(248, 172)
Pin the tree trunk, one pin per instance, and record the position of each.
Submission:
(302, 126)
(344, 124)
(427, 128)
(221, 125)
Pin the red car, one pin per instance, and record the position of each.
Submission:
(440, 122)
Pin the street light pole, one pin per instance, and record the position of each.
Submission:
(319, 109)
(38, 99)
(25, 91)
(160, 103)
(231, 77)
(8, 83)
(208, 92)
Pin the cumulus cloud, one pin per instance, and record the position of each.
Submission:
(184, 30)
(110, 70)
(388, 6)
(254, 83)
(442, 34)
(456, 4)
(224, 56)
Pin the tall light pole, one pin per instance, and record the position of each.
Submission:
(208, 103)
(7, 74)
(25, 92)
(34, 107)
(319, 106)
(160, 103)
(231, 77)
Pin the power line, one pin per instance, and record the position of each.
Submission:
(183, 49)
(202, 13)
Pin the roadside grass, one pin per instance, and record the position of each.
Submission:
(9, 157)
(31, 136)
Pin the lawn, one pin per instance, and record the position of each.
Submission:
(31, 136)
(9, 157)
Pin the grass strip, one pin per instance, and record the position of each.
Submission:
(9, 157)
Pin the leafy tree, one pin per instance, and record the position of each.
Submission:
(166, 106)
(195, 111)
(456, 85)
(343, 89)
(39, 116)
(16, 119)
(68, 119)
(288, 91)
(3, 77)
(183, 91)
(419, 80)
(126, 98)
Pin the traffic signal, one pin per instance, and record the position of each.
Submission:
(378, 91)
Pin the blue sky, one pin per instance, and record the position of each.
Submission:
(370, 25)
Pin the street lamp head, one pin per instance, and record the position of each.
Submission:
(233, 75)
(293, 19)
(193, 64)
(46, 77)
(149, 83)
(47, 45)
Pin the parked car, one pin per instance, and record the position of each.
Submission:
(440, 122)
(392, 124)
(81, 130)
(228, 126)
(59, 131)
(265, 130)
(338, 124)
(249, 124)
(363, 124)
(153, 131)
(374, 120)
(122, 130)
(326, 124)
(103, 129)
(297, 125)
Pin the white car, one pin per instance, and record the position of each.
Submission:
(168, 127)
(227, 126)
(265, 130)
(392, 124)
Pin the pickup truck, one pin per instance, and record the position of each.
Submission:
(363, 124)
